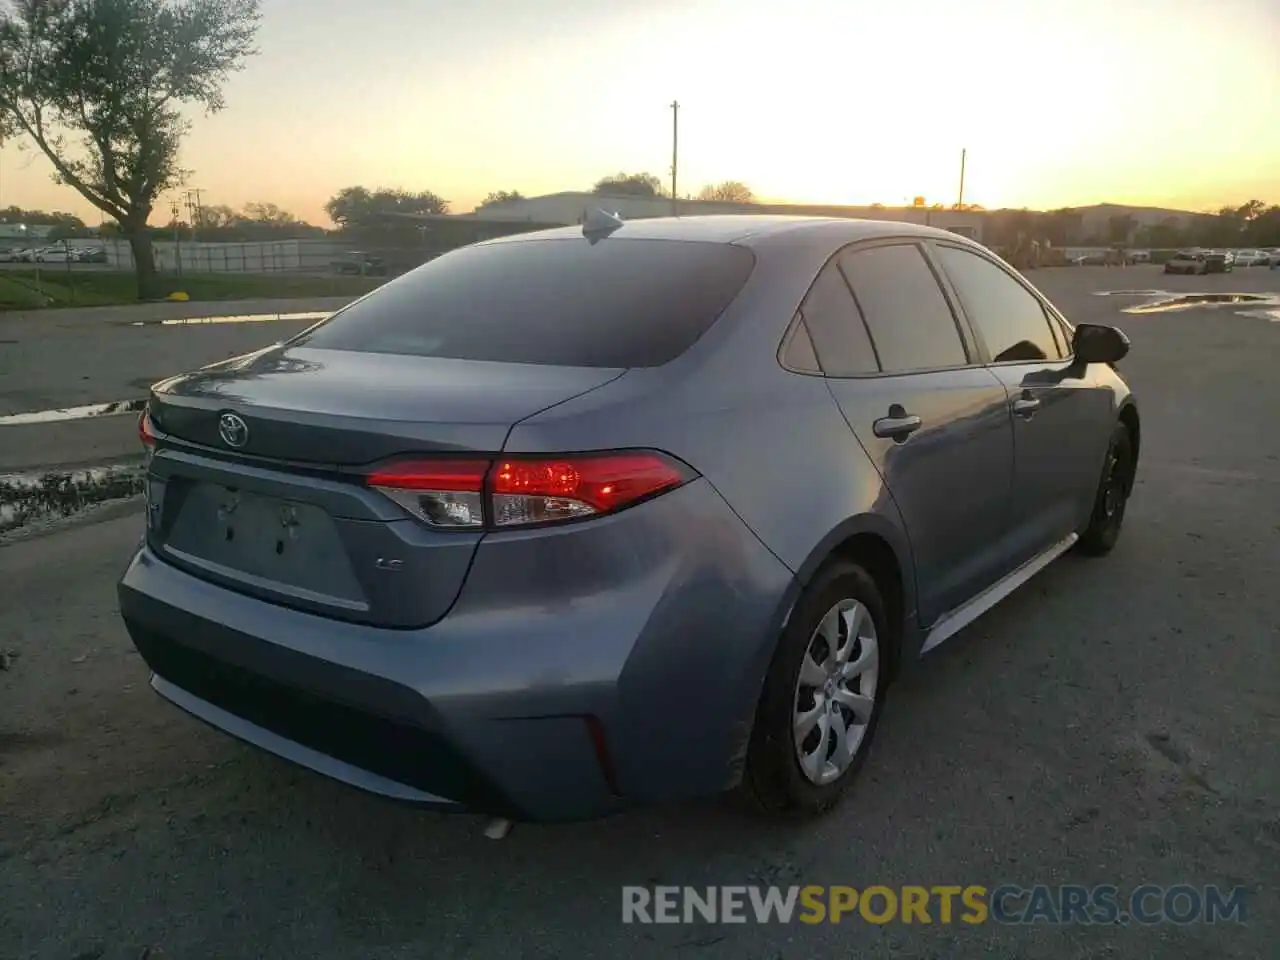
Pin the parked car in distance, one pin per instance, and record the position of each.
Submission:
(572, 520)
(59, 254)
(91, 254)
(1187, 261)
(1219, 261)
(1251, 258)
(359, 263)
(1094, 259)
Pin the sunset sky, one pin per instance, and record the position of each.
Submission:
(1169, 103)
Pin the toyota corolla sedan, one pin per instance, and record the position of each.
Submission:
(619, 514)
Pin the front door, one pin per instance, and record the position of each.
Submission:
(1062, 420)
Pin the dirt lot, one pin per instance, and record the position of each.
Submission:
(1115, 721)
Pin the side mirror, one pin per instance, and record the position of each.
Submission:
(1096, 343)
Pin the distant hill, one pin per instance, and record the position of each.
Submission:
(1096, 217)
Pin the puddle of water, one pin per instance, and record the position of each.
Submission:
(73, 413)
(236, 318)
(30, 497)
(1184, 301)
(1273, 314)
(1131, 293)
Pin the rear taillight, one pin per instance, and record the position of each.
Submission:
(146, 433)
(526, 491)
(442, 493)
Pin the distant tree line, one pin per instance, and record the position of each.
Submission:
(649, 185)
(65, 225)
(397, 216)
(1253, 224)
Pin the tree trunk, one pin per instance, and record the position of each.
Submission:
(144, 265)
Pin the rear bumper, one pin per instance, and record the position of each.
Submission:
(580, 669)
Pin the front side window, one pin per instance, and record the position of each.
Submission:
(1010, 318)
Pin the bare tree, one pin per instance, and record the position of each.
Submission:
(215, 216)
(98, 85)
(630, 184)
(501, 196)
(733, 191)
(264, 212)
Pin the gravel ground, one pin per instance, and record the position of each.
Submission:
(1116, 721)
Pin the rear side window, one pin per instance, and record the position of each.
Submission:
(617, 303)
(798, 353)
(838, 333)
(1010, 318)
(910, 321)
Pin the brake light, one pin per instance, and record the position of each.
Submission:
(543, 491)
(526, 491)
(146, 434)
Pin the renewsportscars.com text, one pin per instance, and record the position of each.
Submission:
(941, 904)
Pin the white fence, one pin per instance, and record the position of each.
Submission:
(256, 257)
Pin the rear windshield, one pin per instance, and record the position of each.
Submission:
(617, 303)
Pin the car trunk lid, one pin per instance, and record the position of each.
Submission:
(281, 511)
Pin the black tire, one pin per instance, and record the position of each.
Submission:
(774, 782)
(1103, 530)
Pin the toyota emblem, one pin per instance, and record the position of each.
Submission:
(233, 430)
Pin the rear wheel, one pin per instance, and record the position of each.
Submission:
(822, 696)
(1103, 530)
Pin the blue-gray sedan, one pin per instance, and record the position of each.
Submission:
(621, 513)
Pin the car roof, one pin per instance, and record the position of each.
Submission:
(740, 228)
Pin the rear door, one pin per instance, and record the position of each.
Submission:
(1062, 417)
(934, 421)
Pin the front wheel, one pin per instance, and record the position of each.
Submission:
(1103, 530)
(822, 696)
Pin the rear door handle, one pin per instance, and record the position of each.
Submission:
(1026, 406)
(897, 426)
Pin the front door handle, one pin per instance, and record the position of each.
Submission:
(1026, 406)
(898, 425)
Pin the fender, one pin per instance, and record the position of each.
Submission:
(895, 536)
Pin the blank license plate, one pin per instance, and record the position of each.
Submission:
(281, 540)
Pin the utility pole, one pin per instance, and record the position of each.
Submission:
(194, 210)
(675, 155)
(960, 202)
(176, 208)
(195, 216)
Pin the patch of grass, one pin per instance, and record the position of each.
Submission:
(19, 289)
(18, 295)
